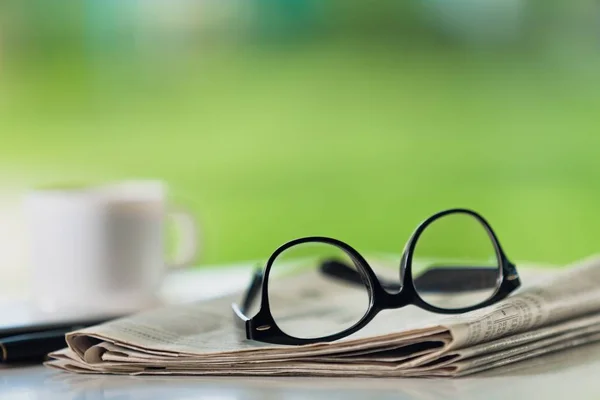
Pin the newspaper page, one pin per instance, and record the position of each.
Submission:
(559, 312)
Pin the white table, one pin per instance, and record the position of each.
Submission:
(570, 374)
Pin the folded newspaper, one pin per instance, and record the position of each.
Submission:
(559, 312)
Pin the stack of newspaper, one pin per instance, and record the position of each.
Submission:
(560, 312)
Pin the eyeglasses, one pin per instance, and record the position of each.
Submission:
(453, 263)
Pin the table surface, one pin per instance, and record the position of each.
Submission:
(572, 373)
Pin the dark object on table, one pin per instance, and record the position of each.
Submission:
(33, 342)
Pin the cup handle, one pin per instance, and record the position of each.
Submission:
(187, 246)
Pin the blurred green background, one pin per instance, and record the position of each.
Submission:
(275, 119)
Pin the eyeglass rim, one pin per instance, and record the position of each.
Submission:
(408, 254)
(263, 327)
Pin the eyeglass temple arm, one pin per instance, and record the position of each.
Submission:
(253, 290)
(339, 270)
(240, 311)
(436, 279)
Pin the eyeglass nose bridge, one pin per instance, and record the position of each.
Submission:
(389, 301)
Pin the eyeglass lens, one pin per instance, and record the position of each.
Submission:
(455, 263)
(306, 303)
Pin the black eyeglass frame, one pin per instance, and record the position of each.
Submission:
(262, 327)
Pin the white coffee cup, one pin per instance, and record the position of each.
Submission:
(101, 249)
